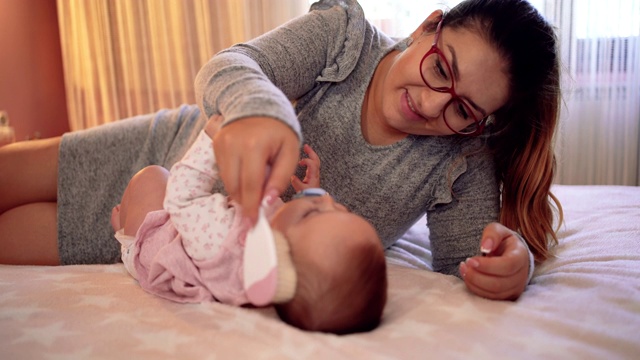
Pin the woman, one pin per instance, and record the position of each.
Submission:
(456, 121)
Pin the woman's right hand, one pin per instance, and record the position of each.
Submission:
(256, 157)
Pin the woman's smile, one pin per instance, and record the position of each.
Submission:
(408, 109)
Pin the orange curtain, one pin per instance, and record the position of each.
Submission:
(129, 57)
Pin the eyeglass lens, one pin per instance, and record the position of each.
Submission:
(437, 75)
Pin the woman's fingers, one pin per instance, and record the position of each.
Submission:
(256, 156)
(490, 286)
(283, 160)
(502, 271)
(251, 179)
(228, 158)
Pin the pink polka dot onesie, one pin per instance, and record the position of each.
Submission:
(192, 251)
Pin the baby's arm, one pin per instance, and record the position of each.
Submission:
(203, 219)
(312, 176)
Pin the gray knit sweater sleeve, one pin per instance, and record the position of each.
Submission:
(262, 77)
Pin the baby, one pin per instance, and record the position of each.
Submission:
(184, 243)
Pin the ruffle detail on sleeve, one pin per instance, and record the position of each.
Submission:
(442, 194)
(444, 191)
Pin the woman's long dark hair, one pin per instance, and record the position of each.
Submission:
(523, 130)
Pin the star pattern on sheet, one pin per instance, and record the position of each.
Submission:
(119, 318)
(57, 277)
(102, 301)
(54, 313)
(45, 335)
(164, 341)
(464, 312)
(214, 315)
(238, 323)
(412, 328)
(78, 354)
(20, 313)
(556, 347)
(293, 346)
(78, 286)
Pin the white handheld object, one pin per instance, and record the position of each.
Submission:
(260, 263)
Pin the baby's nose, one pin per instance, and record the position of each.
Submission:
(328, 201)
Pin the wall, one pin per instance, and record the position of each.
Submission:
(31, 75)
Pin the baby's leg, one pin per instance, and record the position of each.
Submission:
(145, 193)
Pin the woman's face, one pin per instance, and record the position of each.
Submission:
(408, 106)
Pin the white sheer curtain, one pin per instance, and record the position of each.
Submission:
(600, 131)
(400, 18)
(600, 117)
(128, 57)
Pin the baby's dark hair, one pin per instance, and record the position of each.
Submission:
(348, 296)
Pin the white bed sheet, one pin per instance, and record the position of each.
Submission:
(582, 304)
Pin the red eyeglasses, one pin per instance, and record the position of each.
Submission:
(437, 75)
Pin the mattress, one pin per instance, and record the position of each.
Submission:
(583, 303)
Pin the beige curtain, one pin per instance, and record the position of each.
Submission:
(600, 123)
(129, 57)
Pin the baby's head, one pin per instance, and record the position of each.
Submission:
(340, 265)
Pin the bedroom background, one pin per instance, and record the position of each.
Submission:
(73, 64)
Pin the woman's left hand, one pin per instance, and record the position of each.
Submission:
(503, 273)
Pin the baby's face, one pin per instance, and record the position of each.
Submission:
(317, 226)
(303, 209)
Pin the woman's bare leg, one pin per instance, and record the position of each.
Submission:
(29, 235)
(28, 209)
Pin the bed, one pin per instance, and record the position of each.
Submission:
(584, 303)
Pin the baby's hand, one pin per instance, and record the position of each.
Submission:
(503, 274)
(312, 176)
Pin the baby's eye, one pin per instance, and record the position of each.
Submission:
(309, 212)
